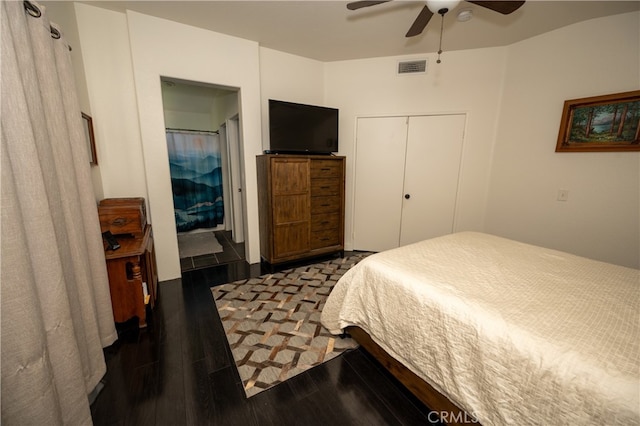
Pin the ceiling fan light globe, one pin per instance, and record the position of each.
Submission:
(436, 6)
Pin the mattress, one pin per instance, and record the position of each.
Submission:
(509, 332)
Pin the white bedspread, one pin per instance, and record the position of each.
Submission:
(511, 333)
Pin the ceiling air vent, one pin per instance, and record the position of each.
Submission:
(413, 67)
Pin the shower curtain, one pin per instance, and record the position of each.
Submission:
(195, 163)
(55, 301)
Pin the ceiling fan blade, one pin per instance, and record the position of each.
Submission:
(504, 7)
(420, 23)
(360, 4)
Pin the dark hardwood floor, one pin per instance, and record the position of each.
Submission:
(180, 371)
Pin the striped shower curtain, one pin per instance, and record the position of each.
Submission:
(195, 163)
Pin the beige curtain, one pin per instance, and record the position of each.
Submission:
(55, 310)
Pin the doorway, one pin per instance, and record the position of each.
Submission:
(203, 144)
(230, 132)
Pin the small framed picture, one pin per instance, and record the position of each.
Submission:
(87, 123)
(601, 123)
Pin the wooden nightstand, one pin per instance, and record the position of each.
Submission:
(132, 269)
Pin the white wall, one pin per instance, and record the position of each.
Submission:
(535, 75)
(465, 82)
(125, 55)
(187, 107)
(224, 108)
(107, 63)
(188, 120)
(165, 48)
(288, 78)
(601, 218)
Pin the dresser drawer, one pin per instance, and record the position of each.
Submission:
(325, 186)
(326, 168)
(325, 238)
(321, 222)
(327, 204)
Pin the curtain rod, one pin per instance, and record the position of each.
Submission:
(34, 11)
(169, 129)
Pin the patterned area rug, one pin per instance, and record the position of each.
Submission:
(273, 325)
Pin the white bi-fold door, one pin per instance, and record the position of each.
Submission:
(406, 179)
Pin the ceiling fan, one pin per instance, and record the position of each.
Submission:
(441, 7)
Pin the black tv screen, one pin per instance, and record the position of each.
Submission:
(299, 128)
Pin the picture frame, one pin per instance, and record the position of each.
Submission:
(87, 123)
(601, 124)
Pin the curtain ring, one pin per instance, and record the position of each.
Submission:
(54, 33)
(32, 9)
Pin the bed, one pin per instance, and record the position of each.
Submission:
(507, 332)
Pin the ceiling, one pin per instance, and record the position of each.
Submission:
(327, 31)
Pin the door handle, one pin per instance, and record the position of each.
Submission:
(407, 196)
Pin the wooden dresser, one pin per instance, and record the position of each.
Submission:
(301, 203)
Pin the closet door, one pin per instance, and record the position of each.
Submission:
(432, 168)
(379, 174)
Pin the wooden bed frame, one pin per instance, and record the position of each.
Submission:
(420, 388)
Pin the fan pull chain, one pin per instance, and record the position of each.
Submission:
(441, 30)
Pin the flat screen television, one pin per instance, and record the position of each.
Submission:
(302, 129)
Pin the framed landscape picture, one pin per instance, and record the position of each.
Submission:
(601, 123)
